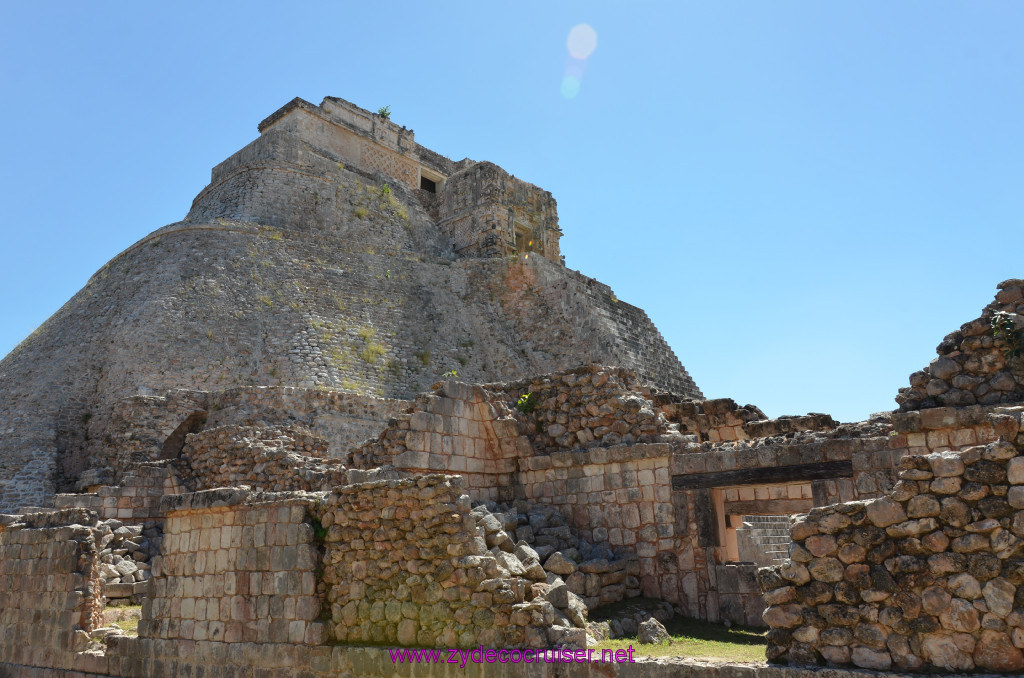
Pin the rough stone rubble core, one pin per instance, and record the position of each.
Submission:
(253, 519)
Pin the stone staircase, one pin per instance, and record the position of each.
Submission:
(764, 539)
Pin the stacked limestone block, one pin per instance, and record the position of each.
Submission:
(972, 367)
(135, 500)
(480, 433)
(551, 553)
(125, 555)
(939, 429)
(928, 578)
(865, 444)
(50, 592)
(266, 458)
(236, 567)
(587, 407)
(455, 428)
(406, 564)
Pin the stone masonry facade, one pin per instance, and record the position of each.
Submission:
(358, 399)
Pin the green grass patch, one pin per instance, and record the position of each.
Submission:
(698, 639)
(124, 617)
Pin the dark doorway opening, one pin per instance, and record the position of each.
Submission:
(428, 185)
(176, 441)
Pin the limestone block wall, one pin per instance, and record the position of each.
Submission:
(940, 429)
(619, 496)
(136, 500)
(235, 567)
(865, 445)
(266, 458)
(403, 565)
(50, 589)
(478, 431)
(704, 575)
(925, 579)
(972, 366)
(453, 429)
(624, 495)
(487, 212)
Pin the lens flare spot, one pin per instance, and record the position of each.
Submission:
(570, 87)
(582, 41)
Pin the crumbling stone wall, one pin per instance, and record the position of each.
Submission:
(592, 573)
(403, 565)
(456, 429)
(126, 553)
(721, 419)
(50, 589)
(926, 578)
(588, 406)
(478, 431)
(266, 458)
(972, 366)
(143, 429)
(618, 496)
(622, 496)
(135, 500)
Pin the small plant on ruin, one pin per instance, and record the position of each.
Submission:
(360, 212)
(385, 190)
(527, 403)
(319, 531)
(424, 356)
(1005, 328)
(450, 374)
(372, 351)
(272, 233)
(384, 112)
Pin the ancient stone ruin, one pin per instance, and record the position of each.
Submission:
(355, 400)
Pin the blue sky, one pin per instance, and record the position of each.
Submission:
(804, 196)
